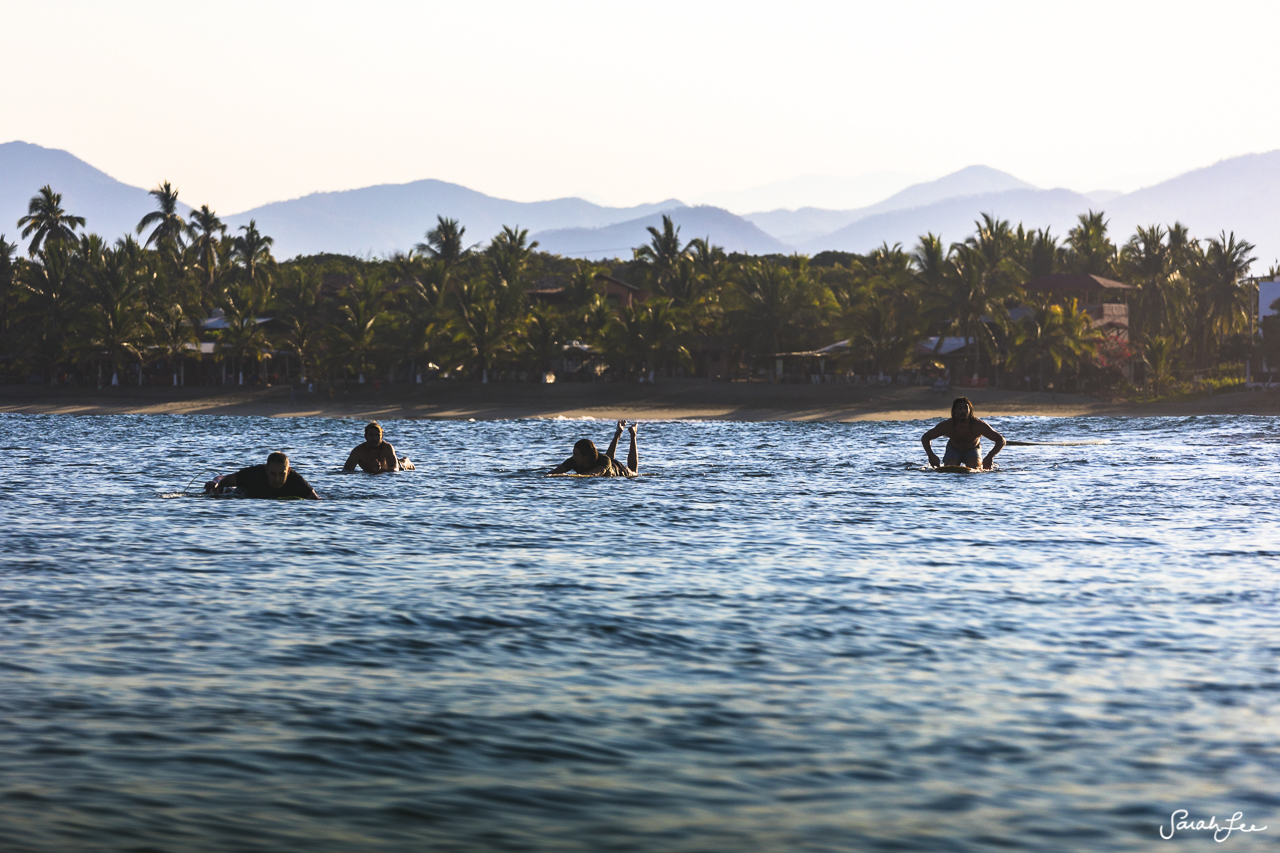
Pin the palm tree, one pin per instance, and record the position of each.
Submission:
(1223, 297)
(930, 262)
(1160, 354)
(1089, 250)
(444, 242)
(885, 317)
(662, 328)
(8, 270)
(8, 293)
(481, 325)
(49, 305)
(426, 319)
(174, 333)
(509, 253)
(982, 279)
(119, 322)
(1144, 261)
(1061, 335)
(303, 324)
(168, 228)
(253, 252)
(206, 229)
(775, 309)
(360, 312)
(1044, 256)
(581, 288)
(542, 336)
(244, 337)
(663, 254)
(47, 221)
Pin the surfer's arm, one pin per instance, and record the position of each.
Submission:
(613, 445)
(350, 464)
(937, 432)
(563, 468)
(217, 484)
(388, 458)
(998, 443)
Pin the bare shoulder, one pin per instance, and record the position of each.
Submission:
(987, 430)
(942, 428)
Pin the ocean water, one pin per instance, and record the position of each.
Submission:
(782, 637)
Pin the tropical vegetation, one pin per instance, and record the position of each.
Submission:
(188, 300)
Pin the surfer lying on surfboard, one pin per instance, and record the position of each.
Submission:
(587, 461)
(273, 480)
(964, 432)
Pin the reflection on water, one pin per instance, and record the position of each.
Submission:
(783, 637)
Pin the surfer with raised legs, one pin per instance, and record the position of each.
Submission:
(964, 432)
(587, 461)
(376, 454)
(276, 479)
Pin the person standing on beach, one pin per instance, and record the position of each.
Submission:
(587, 461)
(273, 480)
(964, 432)
(375, 455)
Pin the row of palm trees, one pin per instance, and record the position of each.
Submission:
(75, 307)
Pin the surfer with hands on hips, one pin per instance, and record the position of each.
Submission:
(964, 432)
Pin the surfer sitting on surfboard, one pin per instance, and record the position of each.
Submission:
(964, 432)
(376, 455)
(587, 461)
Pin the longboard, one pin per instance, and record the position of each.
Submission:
(956, 469)
(1058, 443)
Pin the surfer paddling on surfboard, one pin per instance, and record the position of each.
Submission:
(964, 432)
(376, 455)
(587, 461)
(273, 480)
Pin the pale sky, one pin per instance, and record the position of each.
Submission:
(242, 103)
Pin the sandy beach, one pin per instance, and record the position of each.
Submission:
(670, 400)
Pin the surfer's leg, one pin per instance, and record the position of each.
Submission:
(633, 455)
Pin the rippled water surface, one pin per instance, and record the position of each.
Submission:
(781, 637)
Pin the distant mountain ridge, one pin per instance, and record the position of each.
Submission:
(109, 207)
(953, 219)
(1232, 195)
(731, 232)
(393, 217)
(802, 226)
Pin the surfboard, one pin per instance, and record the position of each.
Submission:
(1058, 443)
(956, 469)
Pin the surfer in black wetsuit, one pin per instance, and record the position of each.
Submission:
(587, 461)
(273, 480)
(964, 432)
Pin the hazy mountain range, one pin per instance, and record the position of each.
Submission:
(1232, 195)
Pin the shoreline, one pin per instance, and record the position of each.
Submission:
(673, 399)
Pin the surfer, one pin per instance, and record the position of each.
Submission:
(273, 480)
(964, 432)
(375, 454)
(589, 462)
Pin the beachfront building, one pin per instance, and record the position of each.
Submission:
(551, 290)
(1103, 299)
(950, 355)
